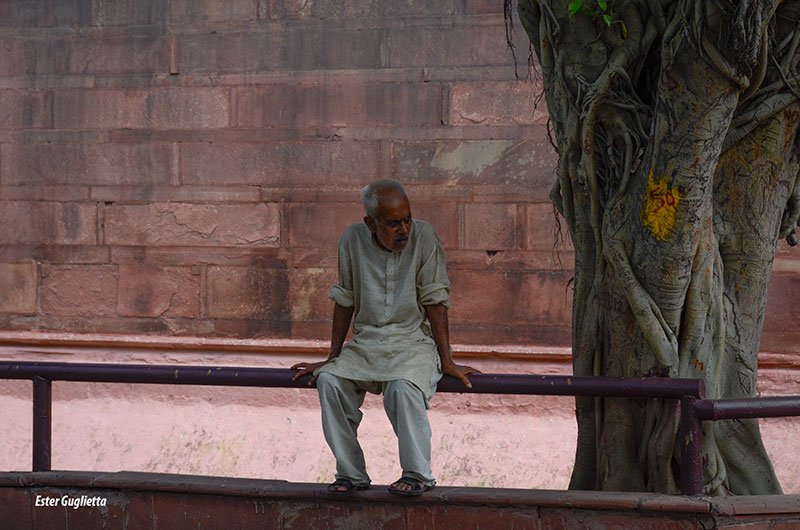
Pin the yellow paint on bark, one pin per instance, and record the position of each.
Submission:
(660, 207)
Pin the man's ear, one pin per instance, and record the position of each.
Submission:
(371, 224)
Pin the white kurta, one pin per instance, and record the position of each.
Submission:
(392, 337)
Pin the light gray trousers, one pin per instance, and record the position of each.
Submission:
(341, 399)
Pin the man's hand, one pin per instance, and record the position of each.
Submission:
(460, 372)
(304, 369)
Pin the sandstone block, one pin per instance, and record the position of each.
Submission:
(353, 9)
(124, 12)
(780, 342)
(490, 226)
(512, 260)
(543, 231)
(249, 329)
(206, 194)
(80, 290)
(129, 53)
(18, 288)
(153, 291)
(276, 48)
(483, 7)
(194, 11)
(352, 104)
(39, 14)
(181, 224)
(508, 297)
(281, 164)
(527, 167)
(192, 256)
(247, 293)
(85, 164)
(113, 324)
(314, 330)
(311, 257)
(22, 109)
(428, 46)
(442, 215)
(46, 193)
(54, 254)
(497, 103)
(66, 223)
(174, 108)
(319, 225)
(308, 294)
(782, 312)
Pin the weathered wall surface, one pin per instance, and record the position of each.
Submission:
(179, 167)
(186, 167)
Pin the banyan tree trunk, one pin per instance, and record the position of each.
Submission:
(676, 123)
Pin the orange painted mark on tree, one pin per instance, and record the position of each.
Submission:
(660, 207)
(700, 365)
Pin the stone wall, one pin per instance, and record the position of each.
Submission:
(186, 166)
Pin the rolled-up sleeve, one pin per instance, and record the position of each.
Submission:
(433, 285)
(342, 290)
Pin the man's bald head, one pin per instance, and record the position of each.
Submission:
(381, 190)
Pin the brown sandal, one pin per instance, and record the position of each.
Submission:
(348, 485)
(417, 487)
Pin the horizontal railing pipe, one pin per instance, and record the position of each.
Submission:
(521, 384)
(759, 407)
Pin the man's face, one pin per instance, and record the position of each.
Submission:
(391, 225)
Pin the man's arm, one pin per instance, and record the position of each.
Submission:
(341, 323)
(437, 316)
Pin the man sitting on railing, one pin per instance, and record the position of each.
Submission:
(393, 278)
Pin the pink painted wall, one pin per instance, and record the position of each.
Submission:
(180, 167)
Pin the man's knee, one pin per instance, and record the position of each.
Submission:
(402, 391)
(327, 384)
(326, 379)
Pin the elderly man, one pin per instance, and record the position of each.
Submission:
(393, 278)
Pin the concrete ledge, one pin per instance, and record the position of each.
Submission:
(32, 342)
(280, 489)
(154, 501)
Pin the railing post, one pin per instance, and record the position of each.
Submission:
(691, 438)
(42, 423)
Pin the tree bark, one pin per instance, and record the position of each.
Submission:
(676, 126)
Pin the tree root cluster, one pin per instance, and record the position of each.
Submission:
(677, 131)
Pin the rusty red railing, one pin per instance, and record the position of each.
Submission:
(689, 392)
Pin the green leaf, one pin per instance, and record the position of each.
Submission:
(624, 30)
(575, 6)
(607, 19)
(602, 4)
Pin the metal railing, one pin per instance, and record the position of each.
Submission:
(690, 392)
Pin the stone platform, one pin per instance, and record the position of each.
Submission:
(127, 500)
